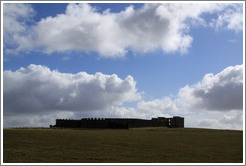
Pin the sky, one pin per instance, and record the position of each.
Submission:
(124, 60)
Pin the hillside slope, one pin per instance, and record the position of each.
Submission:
(137, 145)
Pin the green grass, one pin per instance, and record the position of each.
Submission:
(139, 145)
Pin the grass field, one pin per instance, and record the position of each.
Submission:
(139, 145)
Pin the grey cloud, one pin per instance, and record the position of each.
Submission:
(223, 91)
(145, 28)
(32, 120)
(36, 89)
(221, 98)
(220, 92)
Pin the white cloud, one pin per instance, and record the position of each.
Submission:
(221, 120)
(16, 17)
(36, 89)
(83, 28)
(16, 31)
(231, 19)
(157, 107)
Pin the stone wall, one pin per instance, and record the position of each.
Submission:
(120, 123)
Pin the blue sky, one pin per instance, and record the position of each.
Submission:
(164, 51)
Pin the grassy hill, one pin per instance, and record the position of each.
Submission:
(138, 145)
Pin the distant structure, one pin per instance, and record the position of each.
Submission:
(120, 123)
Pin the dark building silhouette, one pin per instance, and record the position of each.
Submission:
(120, 123)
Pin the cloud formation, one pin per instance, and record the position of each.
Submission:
(44, 95)
(214, 102)
(83, 28)
(36, 89)
(220, 92)
(231, 19)
(16, 32)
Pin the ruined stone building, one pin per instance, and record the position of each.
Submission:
(120, 123)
